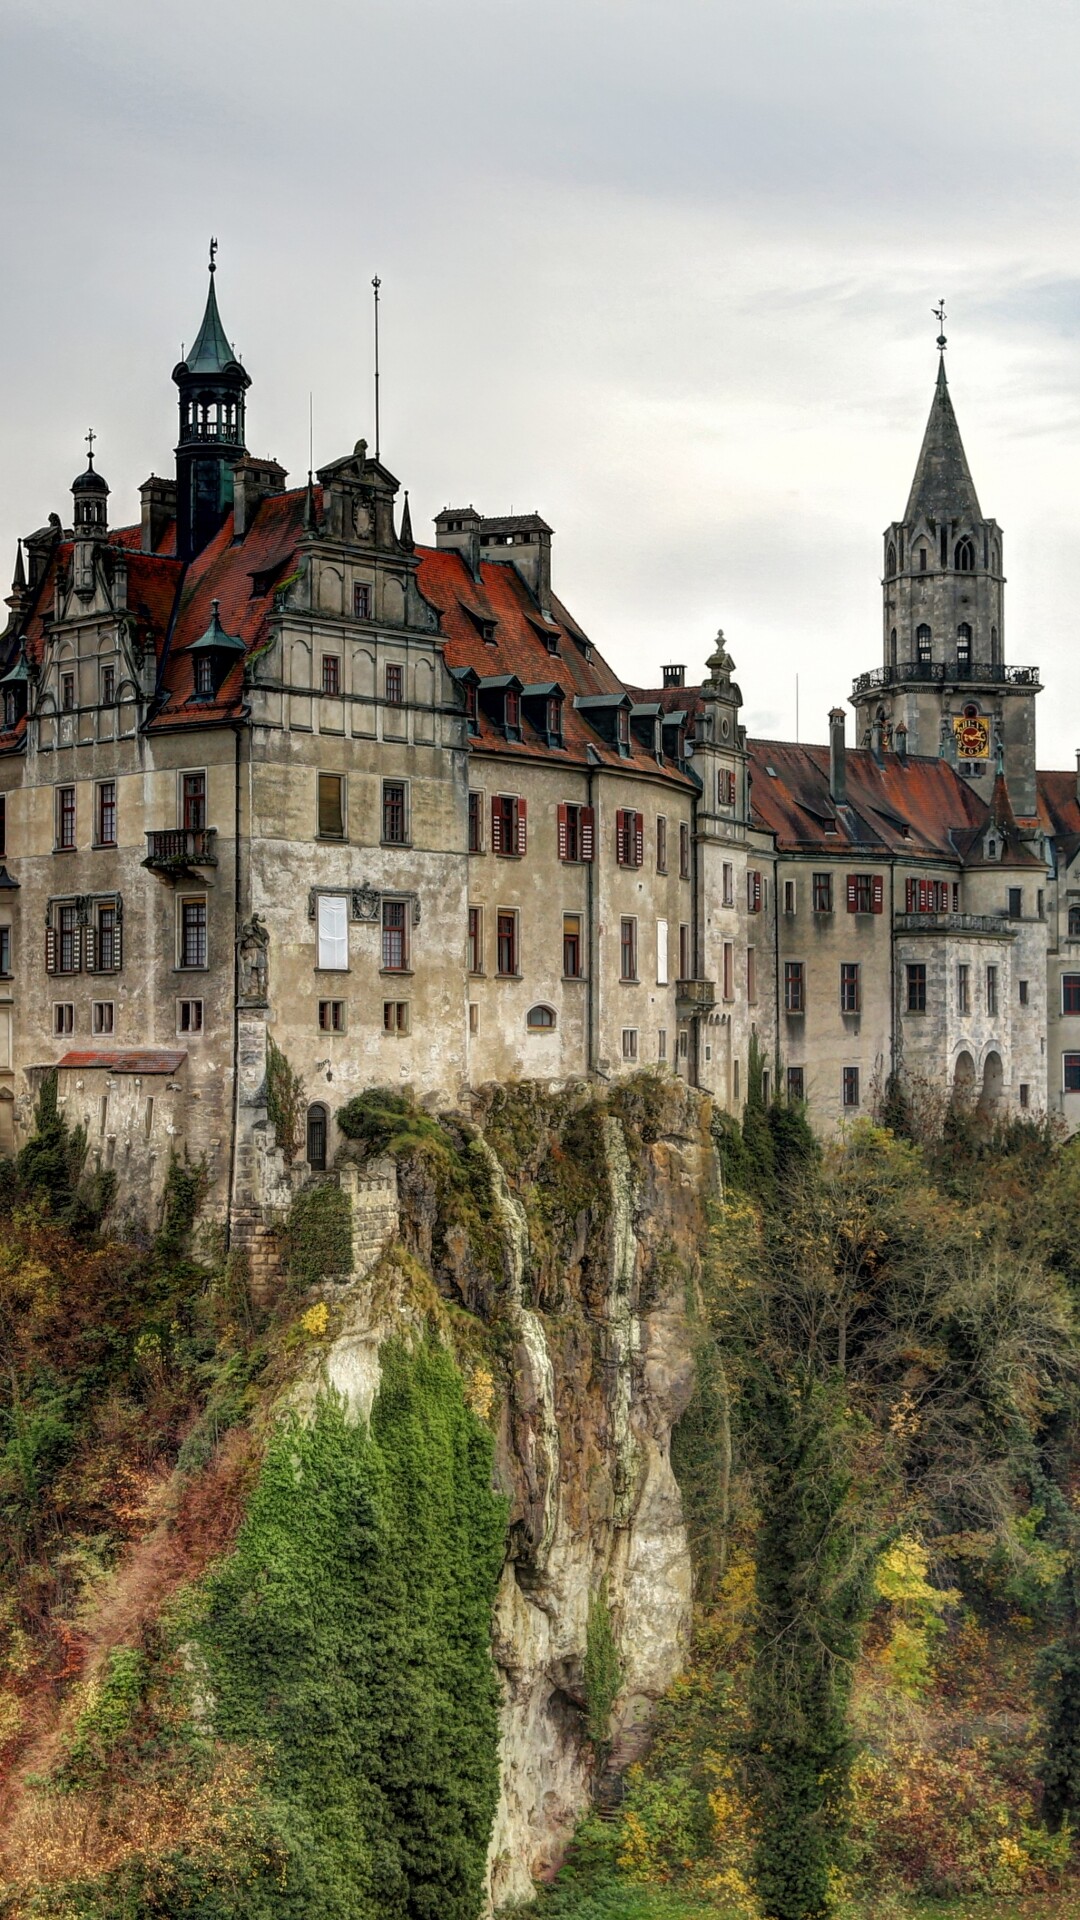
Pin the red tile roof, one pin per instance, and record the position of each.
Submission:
(125, 1059)
(915, 806)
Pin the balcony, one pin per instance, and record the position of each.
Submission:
(998, 926)
(175, 851)
(695, 996)
(936, 673)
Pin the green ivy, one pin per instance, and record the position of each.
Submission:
(603, 1668)
(318, 1237)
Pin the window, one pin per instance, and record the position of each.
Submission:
(622, 729)
(3, 823)
(11, 709)
(661, 844)
(916, 988)
(101, 1016)
(735, 1079)
(571, 946)
(63, 949)
(204, 676)
(193, 801)
(476, 823)
(1070, 992)
(63, 1016)
(1025, 1094)
(991, 990)
(629, 837)
(965, 556)
(1040, 903)
(104, 940)
(684, 850)
(851, 1086)
(796, 1083)
(395, 936)
(65, 817)
(540, 1019)
(395, 820)
(963, 645)
(470, 707)
(474, 942)
(193, 933)
(684, 1044)
(963, 987)
(331, 673)
(929, 896)
(1074, 923)
(1016, 903)
(629, 1043)
(474, 1017)
(1070, 1063)
(512, 713)
(628, 949)
(729, 970)
(395, 1016)
(67, 692)
(1023, 993)
(506, 944)
(751, 976)
(5, 952)
(922, 644)
(753, 891)
(508, 825)
(789, 896)
(106, 813)
(725, 788)
(554, 721)
(922, 559)
(576, 832)
(865, 893)
(822, 892)
(331, 1016)
(331, 806)
(189, 1016)
(850, 996)
(148, 1116)
(395, 684)
(361, 602)
(332, 936)
(108, 686)
(686, 962)
(794, 987)
(315, 1142)
(729, 884)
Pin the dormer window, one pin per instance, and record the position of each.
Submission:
(554, 718)
(622, 730)
(204, 677)
(11, 709)
(512, 713)
(487, 632)
(470, 707)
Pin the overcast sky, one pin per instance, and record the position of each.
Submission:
(661, 269)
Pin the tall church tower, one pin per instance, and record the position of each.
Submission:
(944, 675)
(212, 385)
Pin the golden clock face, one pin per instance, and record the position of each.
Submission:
(972, 732)
(361, 514)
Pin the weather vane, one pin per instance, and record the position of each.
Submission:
(213, 251)
(939, 315)
(91, 436)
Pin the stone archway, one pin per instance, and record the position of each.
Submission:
(993, 1085)
(965, 1085)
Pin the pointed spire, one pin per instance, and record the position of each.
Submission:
(211, 351)
(18, 583)
(1001, 809)
(943, 488)
(310, 521)
(405, 537)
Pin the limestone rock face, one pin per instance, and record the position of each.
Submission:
(599, 1371)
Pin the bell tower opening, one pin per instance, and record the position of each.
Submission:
(212, 384)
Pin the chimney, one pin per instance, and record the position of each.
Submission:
(253, 480)
(674, 676)
(525, 540)
(837, 750)
(457, 530)
(158, 499)
(900, 737)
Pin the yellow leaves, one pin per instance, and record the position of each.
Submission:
(316, 1320)
(480, 1392)
(901, 1578)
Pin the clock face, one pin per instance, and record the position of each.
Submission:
(362, 518)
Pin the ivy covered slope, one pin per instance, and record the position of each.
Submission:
(880, 1464)
(338, 1601)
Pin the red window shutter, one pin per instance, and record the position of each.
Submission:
(620, 837)
(639, 839)
(562, 830)
(923, 903)
(909, 896)
(118, 942)
(91, 950)
(587, 832)
(757, 892)
(521, 834)
(77, 949)
(50, 949)
(956, 896)
(852, 893)
(496, 825)
(878, 895)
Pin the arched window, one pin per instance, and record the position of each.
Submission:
(316, 1138)
(1074, 923)
(892, 648)
(890, 560)
(963, 644)
(995, 558)
(965, 555)
(922, 645)
(540, 1019)
(922, 559)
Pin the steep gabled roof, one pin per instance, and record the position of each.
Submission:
(912, 806)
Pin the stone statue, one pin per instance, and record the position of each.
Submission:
(254, 945)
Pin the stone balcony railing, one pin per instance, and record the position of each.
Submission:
(998, 924)
(989, 673)
(695, 996)
(174, 849)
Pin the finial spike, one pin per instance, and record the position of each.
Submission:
(376, 284)
(939, 315)
(213, 252)
(91, 436)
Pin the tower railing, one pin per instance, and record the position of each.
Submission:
(947, 673)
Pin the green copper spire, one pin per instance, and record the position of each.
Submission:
(211, 352)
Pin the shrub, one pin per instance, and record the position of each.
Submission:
(318, 1237)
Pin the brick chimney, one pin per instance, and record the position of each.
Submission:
(674, 676)
(457, 530)
(158, 498)
(253, 480)
(525, 540)
(837, 753)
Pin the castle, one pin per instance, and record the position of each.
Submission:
(277, 780)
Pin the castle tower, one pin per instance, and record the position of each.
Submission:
(212, 385)
(944, 675)
(90, 494)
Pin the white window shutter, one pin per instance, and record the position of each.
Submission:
(661, 953)
(333, 932)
